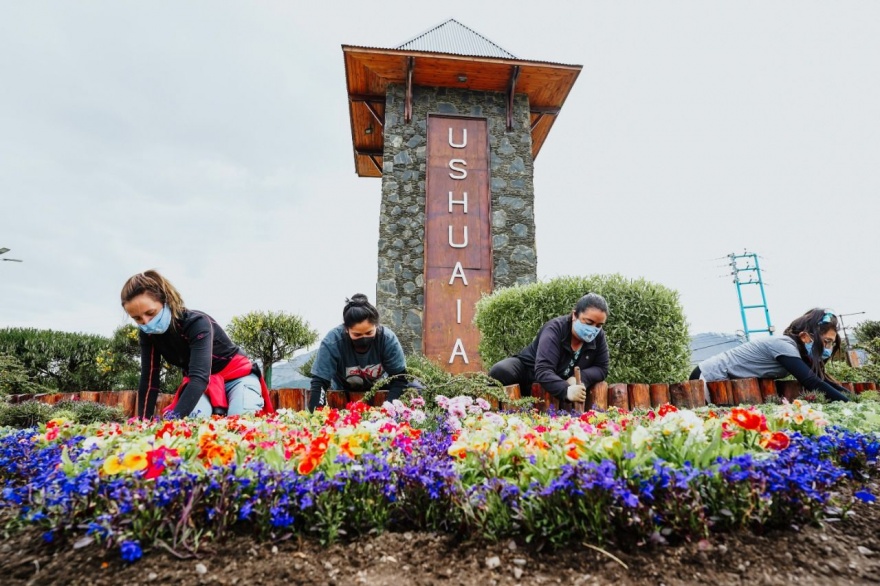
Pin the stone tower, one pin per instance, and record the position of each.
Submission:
(452, 123)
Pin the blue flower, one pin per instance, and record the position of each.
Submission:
(131, 550)
(865, 496)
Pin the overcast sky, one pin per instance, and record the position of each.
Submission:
(211, 140)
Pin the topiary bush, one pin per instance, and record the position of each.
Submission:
(646, 330)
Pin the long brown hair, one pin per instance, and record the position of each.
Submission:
(157, 287)
(816, 322)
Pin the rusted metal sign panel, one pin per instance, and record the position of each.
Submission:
(458, 243)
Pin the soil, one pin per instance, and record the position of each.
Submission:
(845, 551)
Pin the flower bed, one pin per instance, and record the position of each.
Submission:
(543, 477)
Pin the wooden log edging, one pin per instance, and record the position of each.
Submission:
(685, 395)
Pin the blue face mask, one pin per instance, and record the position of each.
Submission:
(826, 352)
(159, 324)
(585, 332)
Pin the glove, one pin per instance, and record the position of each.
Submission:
(571, 381)
(577, 393)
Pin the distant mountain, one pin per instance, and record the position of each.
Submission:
(286, 374)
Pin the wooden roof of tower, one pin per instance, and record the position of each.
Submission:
(442, 57)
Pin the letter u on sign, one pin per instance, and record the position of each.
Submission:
(463, 139)
(452, 240)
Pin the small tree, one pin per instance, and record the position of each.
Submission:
(271, 336)
(14, 379)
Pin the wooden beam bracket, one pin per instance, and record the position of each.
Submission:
(407, 107)
(511, 91)
(375, 114)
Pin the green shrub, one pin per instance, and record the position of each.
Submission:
(87, 412)
(843, 372)
(23, 415)
(65, 361)
(33, 413)
(646, 330)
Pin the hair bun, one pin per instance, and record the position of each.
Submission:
(358, 299)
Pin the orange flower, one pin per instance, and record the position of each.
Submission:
(774, 441)
(748, 419)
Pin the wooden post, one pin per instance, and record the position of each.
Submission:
(639, 396)
(790, 389)
(127, 401)
(680, 393)
(659, 394)
(512, 392)
(91, 396)
(746, 391)
(354, 396)
(618, 396)
(598, 396)
(578, 405)
(162, 401)
(545, 399)
(293, 399)
(768, 388)
(720, 392)
(698, 392)
(336, 399)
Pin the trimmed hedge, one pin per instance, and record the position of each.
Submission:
(646, 330)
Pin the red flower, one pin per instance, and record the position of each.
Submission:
(748, 419)
(775, 441)
(156, 460)
(358, 407)
(666, 409)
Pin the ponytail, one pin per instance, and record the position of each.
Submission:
(156, 286)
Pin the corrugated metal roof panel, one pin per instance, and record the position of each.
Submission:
(454, 38)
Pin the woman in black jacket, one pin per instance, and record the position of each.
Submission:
(562, 343)
(218, 377)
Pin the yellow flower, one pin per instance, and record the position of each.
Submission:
(130, 462)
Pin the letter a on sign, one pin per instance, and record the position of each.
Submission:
(458, 350)
(458, 272)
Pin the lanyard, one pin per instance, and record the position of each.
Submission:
(574, 359)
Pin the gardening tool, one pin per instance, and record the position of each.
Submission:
(578, 405)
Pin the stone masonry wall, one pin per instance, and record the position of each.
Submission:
(400, 284)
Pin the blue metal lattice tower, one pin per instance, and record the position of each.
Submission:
(747, 271)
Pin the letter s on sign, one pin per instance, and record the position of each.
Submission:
(462, 172)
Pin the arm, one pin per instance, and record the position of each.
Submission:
(799, 369)
(599, 369)
(201, 344)
(318, 393)
(322, 373)
(148, 388)
(546, 358)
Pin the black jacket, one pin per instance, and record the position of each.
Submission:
(550, 354)
(197, 344)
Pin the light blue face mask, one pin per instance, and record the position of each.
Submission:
(585, 332)
(826, 352)
(159, 324)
